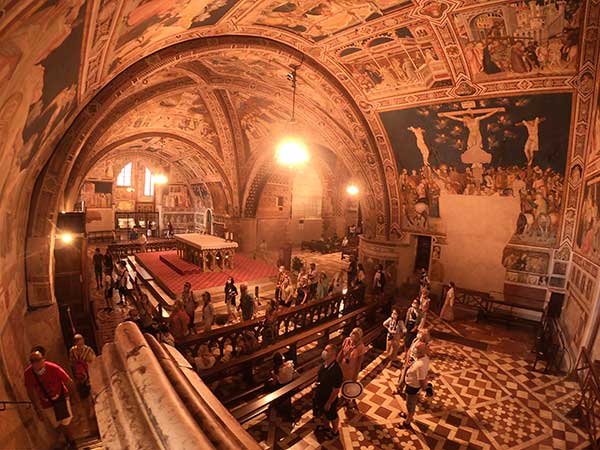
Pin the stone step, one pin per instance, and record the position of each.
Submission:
(92, 443)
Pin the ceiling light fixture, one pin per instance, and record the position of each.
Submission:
(291, 150)
(352, 190)
(159, 179)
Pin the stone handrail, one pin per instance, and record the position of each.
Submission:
(288, 322)
(143, 400)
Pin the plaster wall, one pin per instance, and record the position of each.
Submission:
(478, 229)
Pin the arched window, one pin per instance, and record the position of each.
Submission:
(148, 184)
(124, 178)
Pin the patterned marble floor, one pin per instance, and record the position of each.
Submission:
(483, 400)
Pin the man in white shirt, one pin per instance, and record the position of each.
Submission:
(416, 379)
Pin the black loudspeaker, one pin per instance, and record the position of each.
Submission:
(555, 305)
(72, 222)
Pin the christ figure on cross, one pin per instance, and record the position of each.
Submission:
(533, 139)
(471, 118)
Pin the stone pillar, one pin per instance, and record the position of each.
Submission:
(244, 233)
(40, 271)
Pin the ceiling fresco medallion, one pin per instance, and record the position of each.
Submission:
(434, 10)
(464, 88)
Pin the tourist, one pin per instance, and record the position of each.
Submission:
(107, 262)
(411, 323)
(282, 373)
(163, 335)
(231, 294)
(208, 312)
(204, 360)
(361, 276)
(189, 304)
(50, 388)
(395, 328)
(123, 282)
(325, 400)
(287, 293)
(170, 230)
(416, 379)
(379, 282)
(313, 280)
(97, 261)
(338, 283)
(270, 323)
(351, 356)
(423, 278)
(247, 303)
(447, 312)
(424, 304)
(281, 276)
(80, 357)
(352, 269)
(109, 285)
(143, 242)
(178, 322)
(423, 337)
(322, 286)
(301, 287)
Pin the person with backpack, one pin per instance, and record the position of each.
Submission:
(109, 286)
(80, 358)
(379, 282)
(124, 283)
(49, 387)
(283, 372)
(97, 261)
(189, 304)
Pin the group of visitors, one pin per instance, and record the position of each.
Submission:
(247, 304)
(312, 284)
(112, 279)
(182, 321)
(51, 389)
(338, 366)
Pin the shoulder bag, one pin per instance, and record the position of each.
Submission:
(61, 409)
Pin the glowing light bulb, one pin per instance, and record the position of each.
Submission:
(352, 189)
(292, 152)
(159, 179)
(67, 238)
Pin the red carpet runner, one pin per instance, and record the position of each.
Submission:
(245, 269)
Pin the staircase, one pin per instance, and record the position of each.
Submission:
(91, 443)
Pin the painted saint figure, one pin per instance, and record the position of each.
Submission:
(533, 141)
(475, 154)
(421, 145)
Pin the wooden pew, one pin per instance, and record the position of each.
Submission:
(496, 310)
(290, 344)
(250, 410)
(288, 322)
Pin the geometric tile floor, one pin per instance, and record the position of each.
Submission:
(483, 400)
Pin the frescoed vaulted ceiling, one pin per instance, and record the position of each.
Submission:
(205, 82)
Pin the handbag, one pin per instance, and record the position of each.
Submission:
(60, 406)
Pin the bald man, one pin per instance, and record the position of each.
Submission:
(329, 382)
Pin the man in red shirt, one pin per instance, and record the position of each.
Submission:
(46, 382)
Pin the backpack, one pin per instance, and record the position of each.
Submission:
(80, 370)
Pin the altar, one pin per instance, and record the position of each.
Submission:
(210, 253)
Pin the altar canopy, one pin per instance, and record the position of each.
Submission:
(210, 253)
